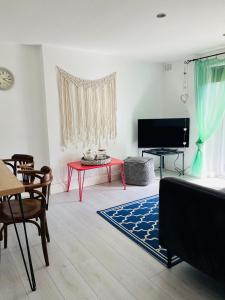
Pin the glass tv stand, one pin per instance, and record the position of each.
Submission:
(162, 152)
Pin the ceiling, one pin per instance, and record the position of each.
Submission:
(125, 27)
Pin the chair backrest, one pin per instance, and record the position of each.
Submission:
(46, 180)
(23, 162)
(20, 162)
(39, 180)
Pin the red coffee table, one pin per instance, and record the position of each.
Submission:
(76, 165)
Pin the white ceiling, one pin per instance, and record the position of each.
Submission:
(127, 27)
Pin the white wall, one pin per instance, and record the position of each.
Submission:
(30, 120)
(22, 108)
(173, 107)
(139, 89)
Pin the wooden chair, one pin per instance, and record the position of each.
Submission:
(34, 206)
(19, 162)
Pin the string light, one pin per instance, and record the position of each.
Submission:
(184, 97)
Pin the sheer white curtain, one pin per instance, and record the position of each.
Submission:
(214, 153)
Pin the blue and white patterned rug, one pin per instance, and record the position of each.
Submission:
(139, 221)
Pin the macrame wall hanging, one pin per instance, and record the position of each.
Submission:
(88, 110)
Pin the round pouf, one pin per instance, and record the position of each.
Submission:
(139, 170)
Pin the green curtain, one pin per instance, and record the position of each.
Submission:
(210, 104)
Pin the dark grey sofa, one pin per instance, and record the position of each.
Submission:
(192, 225)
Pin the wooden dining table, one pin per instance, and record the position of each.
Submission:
(10, 185)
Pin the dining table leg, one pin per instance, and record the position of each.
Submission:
(30, 273)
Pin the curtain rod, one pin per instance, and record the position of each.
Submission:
(190, 60)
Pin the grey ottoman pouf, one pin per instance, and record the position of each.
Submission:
(139, 170)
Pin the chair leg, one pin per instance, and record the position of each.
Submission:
(5, 236)
(1, 233)
(47, 232)
(43, 240)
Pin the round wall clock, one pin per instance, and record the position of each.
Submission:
(6, 79)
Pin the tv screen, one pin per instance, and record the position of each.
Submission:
(161, 133)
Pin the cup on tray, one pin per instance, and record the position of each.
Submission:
(101, 154)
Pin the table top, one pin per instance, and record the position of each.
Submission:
(78, 166)
(9, 184)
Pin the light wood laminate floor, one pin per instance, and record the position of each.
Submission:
(90, 259)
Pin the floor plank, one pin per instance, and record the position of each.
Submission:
(90, 259)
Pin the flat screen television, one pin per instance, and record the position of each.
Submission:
(163, 133)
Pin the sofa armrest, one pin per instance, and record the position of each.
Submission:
(192, 224)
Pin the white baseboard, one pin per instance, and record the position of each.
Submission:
(59, 187)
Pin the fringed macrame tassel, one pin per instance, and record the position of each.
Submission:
(87, 109)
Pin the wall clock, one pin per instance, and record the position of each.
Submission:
(6, 79)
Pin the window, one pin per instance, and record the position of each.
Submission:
(214, 150)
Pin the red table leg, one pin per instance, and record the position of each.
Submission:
(123, 176)
(109, 172)
(69, 176)
(81, 183)
(76, 165)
